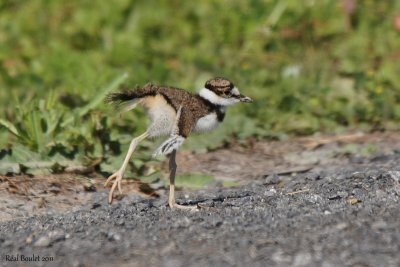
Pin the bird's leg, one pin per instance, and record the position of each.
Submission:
(172, 169)
(171, 199)
(120, 173)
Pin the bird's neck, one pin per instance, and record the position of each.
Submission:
(213, 107)
(209, 99)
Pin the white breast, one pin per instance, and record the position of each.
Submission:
(206, 123)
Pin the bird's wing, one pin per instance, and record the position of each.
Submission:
(175, 129)
(184, 124)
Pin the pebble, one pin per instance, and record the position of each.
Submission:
(395, 175)
(272, 179)
(42, 241)
(113, 236)
(270, 193)
(49, 239)
(302, 259)
(120, 222)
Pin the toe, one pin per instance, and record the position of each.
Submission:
(110, 197)
(119, 187)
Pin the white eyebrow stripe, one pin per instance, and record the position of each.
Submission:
(215, 99)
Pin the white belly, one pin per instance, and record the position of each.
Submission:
(206, 123)
(161, 114)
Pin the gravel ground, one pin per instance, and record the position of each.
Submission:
(332, 215)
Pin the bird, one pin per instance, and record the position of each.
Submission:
(176, 114)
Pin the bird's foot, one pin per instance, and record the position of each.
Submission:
(118, 178)
(184, 207)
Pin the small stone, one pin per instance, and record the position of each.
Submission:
(50, 238)
(29, 239)
(353, 200)
(341, 177)
(334, 197)
(207, 204)
(381, 158)
(272, 179)
(89, 187)
(343, 194)
(357, 192)
(95, 205)
(120, 222)
(281, 257)
(357, 175)
(380, 224)
(341, 226)
(113, 236)
(395, 175)
(269, 194)
(314, 198)
(356, 160)
(43, 241)
(54, 189)
(57, 235)
(302, 259)
(160, 202)
(183, 222)
(168, 248)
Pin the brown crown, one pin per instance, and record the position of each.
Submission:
(219, 85)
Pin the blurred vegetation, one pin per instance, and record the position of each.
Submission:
(312, 66)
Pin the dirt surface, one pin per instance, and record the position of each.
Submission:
(320, 201)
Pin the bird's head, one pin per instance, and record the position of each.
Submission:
(223, 92)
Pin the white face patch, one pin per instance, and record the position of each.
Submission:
(217, 100)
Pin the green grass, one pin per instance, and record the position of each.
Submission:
(311, 66)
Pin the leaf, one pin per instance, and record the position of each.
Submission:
(98, 99)
(151, 178)
(9, 167)
(10, 127)
(277, 13)
(21, 154)
(36, 131)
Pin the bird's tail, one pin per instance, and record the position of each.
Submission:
(123, 101)
(128, 100)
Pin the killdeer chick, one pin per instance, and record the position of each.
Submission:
(175, 113)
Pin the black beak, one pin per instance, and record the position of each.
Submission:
(245, 99)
